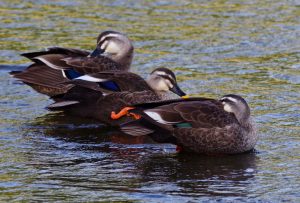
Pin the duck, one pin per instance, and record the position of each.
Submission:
(97, 95)
(54, 67)
(197, 125)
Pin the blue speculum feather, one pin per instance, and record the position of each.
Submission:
(183, 125)
(109, 85)
(72, 74)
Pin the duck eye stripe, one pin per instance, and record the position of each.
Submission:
(167, 77)
(105, 40)
(226, 100)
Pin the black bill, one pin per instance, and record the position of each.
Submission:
(96, 52)
(177, 90)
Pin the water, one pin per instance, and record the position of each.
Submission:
(249, 48)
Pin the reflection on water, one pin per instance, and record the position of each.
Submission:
(90, 158)
(84, 131)
(249, 48)
(202, 175)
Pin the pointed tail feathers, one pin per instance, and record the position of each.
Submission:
(143, 127)
(61, 105)
(56, 50)
(43, 79)
(134, 128)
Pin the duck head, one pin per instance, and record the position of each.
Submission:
(238, 106)
(162, 80)
(115, 46)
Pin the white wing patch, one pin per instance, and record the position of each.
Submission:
(62, 104)
(51, 65)
(90, 78)
(64, 74)
(155, 116)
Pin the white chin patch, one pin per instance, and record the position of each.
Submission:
(228, 108)
(90, 78)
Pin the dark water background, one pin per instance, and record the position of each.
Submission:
(247, 47)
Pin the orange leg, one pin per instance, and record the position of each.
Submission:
(135, 116)
(124, 112)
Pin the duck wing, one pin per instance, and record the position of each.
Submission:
(196, 111)
(132, 98)
(72, 59)
(75, 66)
(75, 95)
(87, 65)
(126, 81)
(109, 82)
(68, 52)
(43, 79)
(184, 113)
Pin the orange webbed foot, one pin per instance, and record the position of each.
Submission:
(124, 112)
(135, 116)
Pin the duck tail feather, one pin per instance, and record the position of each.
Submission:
(61, 105)
(134, 128)
(43, 79)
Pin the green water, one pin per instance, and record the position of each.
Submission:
(247, 47)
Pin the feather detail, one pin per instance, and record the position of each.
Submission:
(134, 129)
(61, 104)
(43, 79)
(90, 78)
(53, 61)
(158, 118)
(71, 74)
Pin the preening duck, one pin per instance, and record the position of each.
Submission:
(55, 66)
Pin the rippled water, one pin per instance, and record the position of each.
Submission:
(247, 47)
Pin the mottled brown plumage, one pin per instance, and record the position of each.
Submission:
(198, 124)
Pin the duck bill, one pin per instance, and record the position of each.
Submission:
(96, 52)
(177, 90)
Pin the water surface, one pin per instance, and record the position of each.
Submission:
(249, 48)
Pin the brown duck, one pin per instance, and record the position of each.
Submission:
(198, 125)
(97, 95)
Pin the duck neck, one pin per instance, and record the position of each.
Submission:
(125, 61)
(249, 134)
(247, 124)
